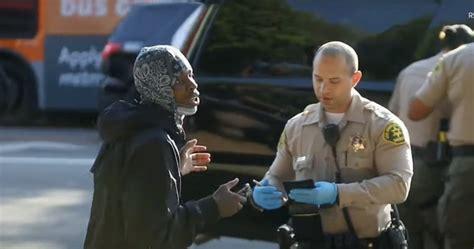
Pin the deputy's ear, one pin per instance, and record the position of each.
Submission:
(356, 78)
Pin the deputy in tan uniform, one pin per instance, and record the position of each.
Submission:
(452, 79)
(419, 211)
(373, 152)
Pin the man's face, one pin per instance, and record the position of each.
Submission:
(333, 81)
(185, 91)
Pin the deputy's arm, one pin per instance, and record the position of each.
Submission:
(418, 110)
(430, 94)
(394, 165)
(281, 169)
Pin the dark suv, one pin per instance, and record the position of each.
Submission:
(253, 64)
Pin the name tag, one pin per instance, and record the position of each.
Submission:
(301, 159)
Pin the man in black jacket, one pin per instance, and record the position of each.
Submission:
(137, 173)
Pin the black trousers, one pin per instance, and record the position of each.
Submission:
(342, 241)
(308, 234)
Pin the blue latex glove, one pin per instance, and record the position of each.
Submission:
(323, 193)
(267, 196)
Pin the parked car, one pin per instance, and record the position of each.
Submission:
(253, 61)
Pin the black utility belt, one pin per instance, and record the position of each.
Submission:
(462, 151)
(348, 240)
(301, 209)
(433, 154)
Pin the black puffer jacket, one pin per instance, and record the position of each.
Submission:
(137, 184)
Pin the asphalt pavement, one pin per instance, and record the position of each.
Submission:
(46, 189)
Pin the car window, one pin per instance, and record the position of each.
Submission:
(18, 19)
(153, 24)
(277, 38)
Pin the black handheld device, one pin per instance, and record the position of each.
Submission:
(289, 185)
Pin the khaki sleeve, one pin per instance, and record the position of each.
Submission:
(394, 103)
(393, 162)
(281, 169)
(435, 87)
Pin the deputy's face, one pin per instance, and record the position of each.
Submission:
(185, 91)
(333, 81)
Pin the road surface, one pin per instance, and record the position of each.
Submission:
(46, 190)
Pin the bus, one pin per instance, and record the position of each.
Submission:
(50, 53)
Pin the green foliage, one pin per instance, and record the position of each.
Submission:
(270, 31)
(387, 53)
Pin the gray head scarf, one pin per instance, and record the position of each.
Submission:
(156, 71)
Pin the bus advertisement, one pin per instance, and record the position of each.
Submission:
(50, 52)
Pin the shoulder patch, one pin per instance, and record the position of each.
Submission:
(393, 133)
(282, 141)
(438, 67)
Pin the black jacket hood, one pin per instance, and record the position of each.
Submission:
(123, 119)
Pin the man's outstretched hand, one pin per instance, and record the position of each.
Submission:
(192, 158)
(228, 202)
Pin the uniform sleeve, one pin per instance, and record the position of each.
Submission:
(394, 103)
(281, 169)
(149, 221)
(435, 87)
(393, 162)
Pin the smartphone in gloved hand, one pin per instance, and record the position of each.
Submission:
(289, 185)
(298, 208)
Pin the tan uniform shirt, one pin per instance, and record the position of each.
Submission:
(409, 81)
(453, 78)
(373, 153)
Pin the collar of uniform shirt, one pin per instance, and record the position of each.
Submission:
(354, 113)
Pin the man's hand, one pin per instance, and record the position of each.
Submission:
(267, 196)
(228, 202)
(323, 193)
(192, 160)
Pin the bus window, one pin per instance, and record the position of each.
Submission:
(18, 18)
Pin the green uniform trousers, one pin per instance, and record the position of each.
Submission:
(419, 211)
(456, 206)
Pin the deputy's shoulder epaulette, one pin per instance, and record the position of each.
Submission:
(310, 109)
(307, 110)
(379, 111)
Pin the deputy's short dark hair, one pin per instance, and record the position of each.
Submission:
(453, 36)
(337, 48)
